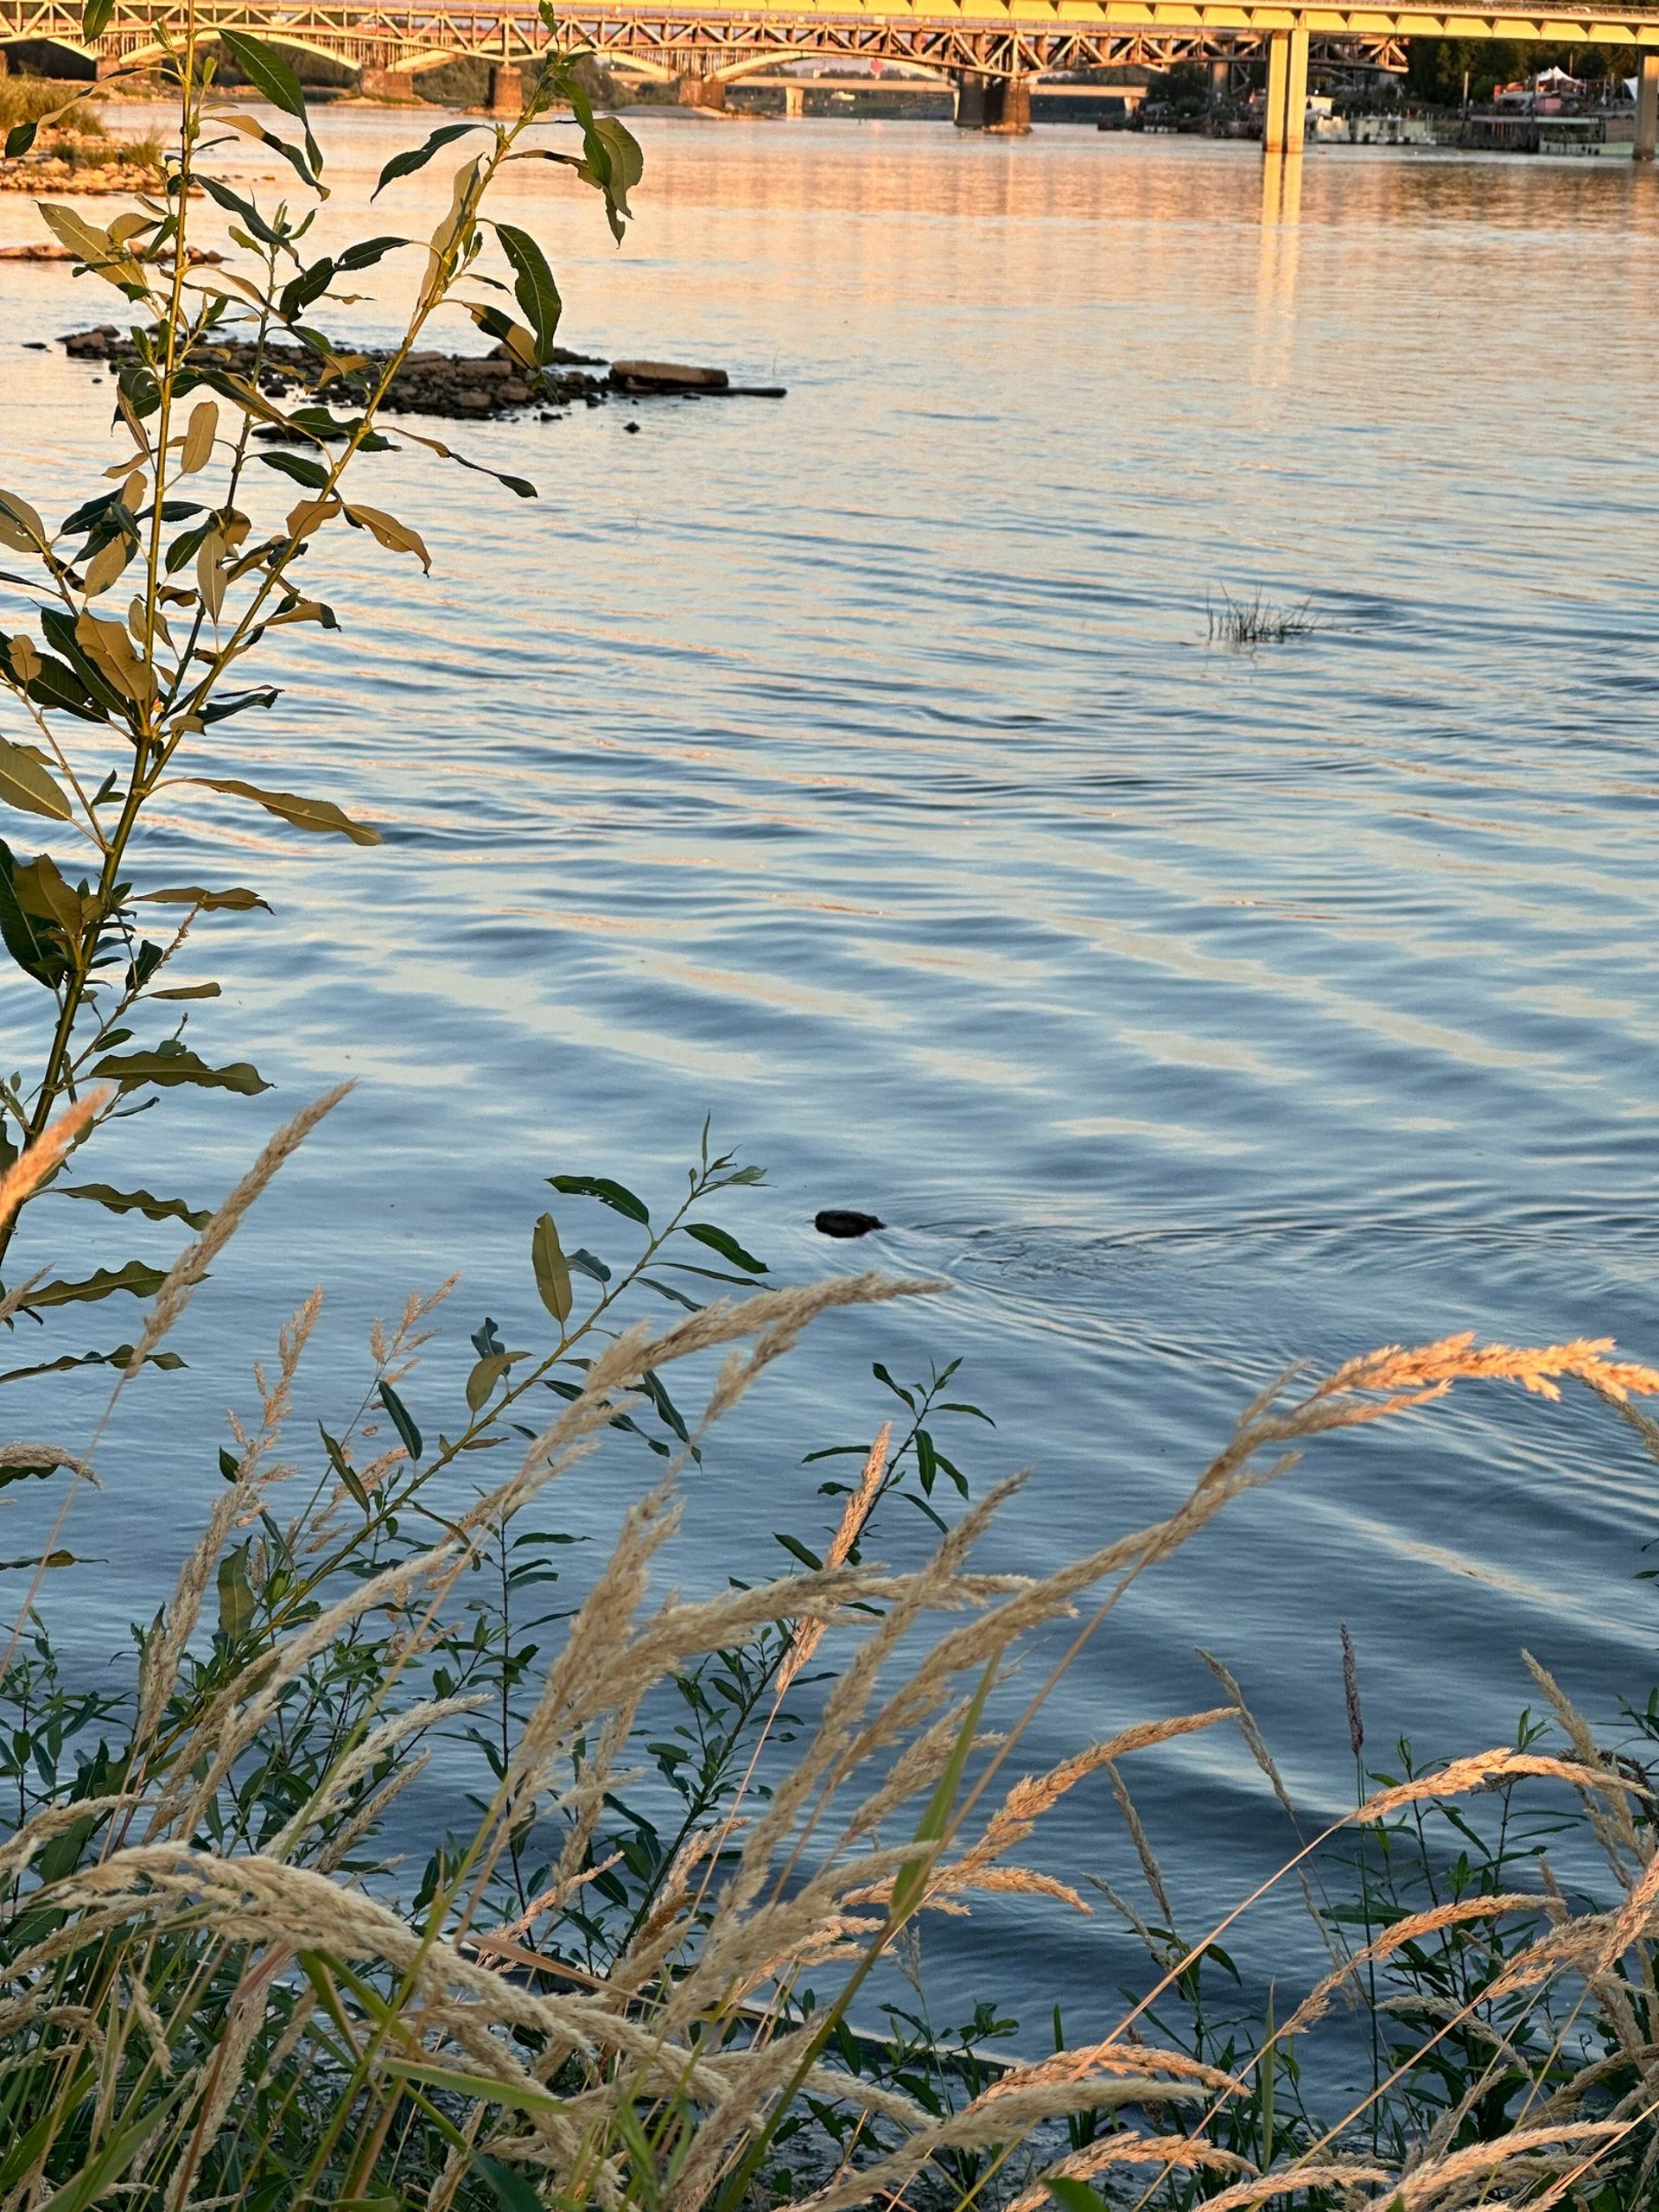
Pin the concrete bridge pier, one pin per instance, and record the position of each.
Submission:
(506, 89)
(1000, 105)
(794, 100)
(1287, 116)
(375, 82)
(1647, 106)
(700, 91)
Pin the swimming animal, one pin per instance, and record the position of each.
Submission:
(842, 1221)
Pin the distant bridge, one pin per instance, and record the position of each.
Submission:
(989, 49)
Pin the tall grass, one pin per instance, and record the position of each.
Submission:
(33, 99)
(216, 1986)
(1244, 623)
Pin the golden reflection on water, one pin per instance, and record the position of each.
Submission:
(1275, 290)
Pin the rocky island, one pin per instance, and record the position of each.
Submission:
(475, 387)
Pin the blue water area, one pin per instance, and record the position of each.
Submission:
(859, 770)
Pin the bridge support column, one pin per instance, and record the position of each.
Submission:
(1647, 107)
(794, 100)
(700, 91)
(1000, 105)
(506, 89)
(1287, 92)
(376, 83)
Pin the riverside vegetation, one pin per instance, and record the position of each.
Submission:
(75, 150)
(243, 1962)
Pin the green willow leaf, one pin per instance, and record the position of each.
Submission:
(366, 252)
(58, 687)
(654, 1387)
(12, 1473)
(311, 473)
(237, 1603)
(489, 1370)
(237, 899)
(308, 287)
(533, 288)
(59, 630)
(302, 160)
(613, 165)
(343, 1468)
(34, 951)
(234, 204)
(167, 1069)
(417, 157)
(727, 1247)
(222, 709)
(141, 1281)
(265, 68)
(401, 1421)
(121, 1357)
(520, 486)
(552, 1270)
(614, 1195)
(26, 785)
(152, 1209)
(320, 816)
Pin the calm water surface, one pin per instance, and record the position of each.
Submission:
(856, 770)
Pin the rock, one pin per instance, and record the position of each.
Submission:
(839, 1221)
(197, 257)
(471, 386)
(666, 376)
(42, 173)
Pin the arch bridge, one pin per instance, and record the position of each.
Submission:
(991, 49)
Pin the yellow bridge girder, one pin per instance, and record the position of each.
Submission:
(1001, 37)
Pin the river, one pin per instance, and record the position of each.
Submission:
(857, 770)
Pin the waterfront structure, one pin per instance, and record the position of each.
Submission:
(990, 50)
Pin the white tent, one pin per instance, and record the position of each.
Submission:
(1557, 81)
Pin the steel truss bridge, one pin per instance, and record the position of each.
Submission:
(1005, 40)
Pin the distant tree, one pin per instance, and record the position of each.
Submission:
(1185, 88)
(1435, 66)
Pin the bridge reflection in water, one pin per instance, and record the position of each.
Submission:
(989, 50)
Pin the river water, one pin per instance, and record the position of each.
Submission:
(857, 770)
